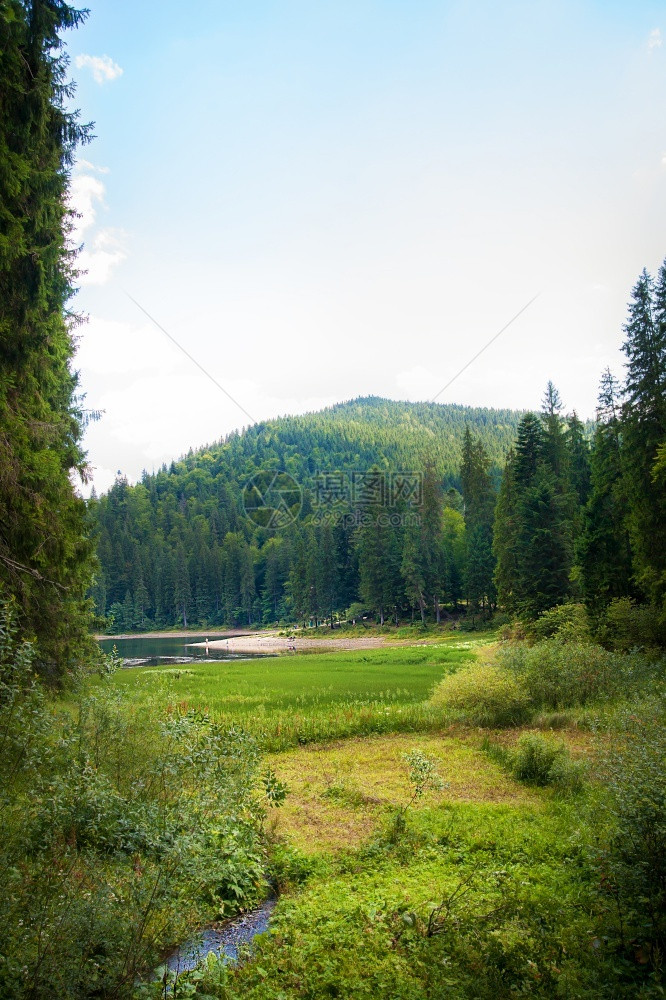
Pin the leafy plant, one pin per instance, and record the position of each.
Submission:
(632, 864)
(275, 790)
(484, 695)
(558, 674)
(536, 757)
(423, 776)
(568, 622)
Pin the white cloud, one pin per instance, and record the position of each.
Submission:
(104, 250)
(85, 192)
(99, 478)
(99, 259)
(418, 383)
(87, 165)
(655, 41)
(110, 347)
(103, 67)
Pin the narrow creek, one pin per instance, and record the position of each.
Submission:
(223, 939)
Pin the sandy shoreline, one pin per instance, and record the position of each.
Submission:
(271, 642)
(238, 641)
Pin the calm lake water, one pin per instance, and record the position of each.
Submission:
(152, 652)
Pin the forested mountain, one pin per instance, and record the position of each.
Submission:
(357, 508)
(179, 546)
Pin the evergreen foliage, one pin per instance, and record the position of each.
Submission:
(45, 550)
(178, 547)
(479, 495)
(644, 430)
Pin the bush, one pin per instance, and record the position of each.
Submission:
(537, 759)
(627, 625)
(568, 622)
(119, 828)
(632, 866)
(558, 674)
(483, 695)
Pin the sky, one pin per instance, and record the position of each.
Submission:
(323, 200)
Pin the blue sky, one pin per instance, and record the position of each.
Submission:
(326, 199)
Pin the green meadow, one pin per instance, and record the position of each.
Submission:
(490, 880)
(288, 700)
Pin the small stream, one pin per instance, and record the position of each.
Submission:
(225, 939)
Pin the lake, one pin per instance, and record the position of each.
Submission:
(152, 651)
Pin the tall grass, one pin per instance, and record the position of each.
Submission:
(290, 700)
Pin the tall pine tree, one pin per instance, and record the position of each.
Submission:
(644, 430)
(603, 548)
(479, 497)
(533, 516)
(45, 552)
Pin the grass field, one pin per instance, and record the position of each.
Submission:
(484, 888)
(289, 700)
(496, 867)
(341, 793)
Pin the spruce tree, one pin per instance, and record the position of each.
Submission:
(45, 549)
(432, 540)
(554, 446)
(644, 430)
(379, 548)
(578, 450)
(505, 537)
(533, 534)
(455, 549)
(544, 557)
(479, 497)
(413, 569)
(603, 548)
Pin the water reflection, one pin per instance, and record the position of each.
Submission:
(152, 651)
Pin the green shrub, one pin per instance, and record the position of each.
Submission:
(121, 828)
(568, 622)
(626, 625)
(290, 868)
(552, 720)
(632, 866)
(559, 674)
(536, 758)
(483, 695)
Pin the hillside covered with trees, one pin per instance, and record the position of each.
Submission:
(179, 547)
(397, 510)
